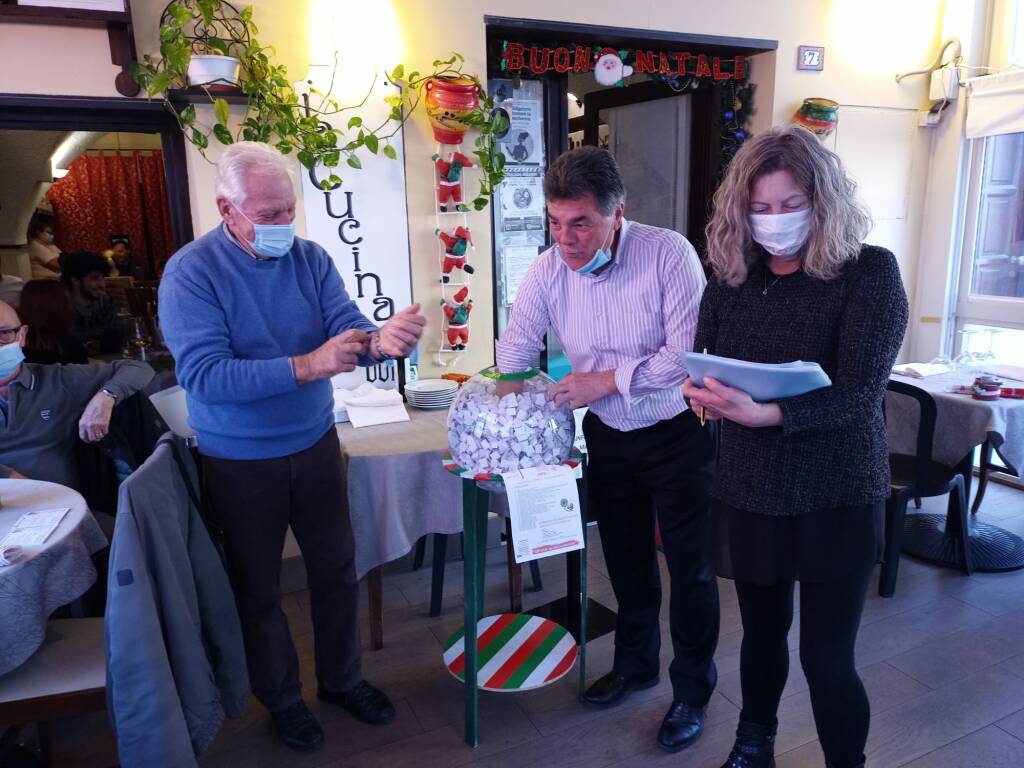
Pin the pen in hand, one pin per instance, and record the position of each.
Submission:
(702, 407)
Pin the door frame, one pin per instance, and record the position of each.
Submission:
(109, 114)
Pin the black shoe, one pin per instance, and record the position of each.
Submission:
(298, 728)
(612, 689)
(754, 747)
(681, 727)
(364, 703)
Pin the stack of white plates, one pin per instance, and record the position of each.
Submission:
(431, 393)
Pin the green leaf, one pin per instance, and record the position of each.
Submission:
(284, 147)
(396, 113)
(390, 152)
(246, 14)
(462, 208)
(354, 122)
(179, 14)
(499, 161)
(307, 158)
(398, 73)
(218, 45)
(371, 142)
(199, 139)
(354, 161)
(334, 180)
(223, 134)
(480, 203)
(221, 110)
(160, 83)
(188, 114)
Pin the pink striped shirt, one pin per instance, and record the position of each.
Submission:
(638, 316)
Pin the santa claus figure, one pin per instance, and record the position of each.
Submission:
(609, 69)
(457, 311)
(449, 178)
(455, 245)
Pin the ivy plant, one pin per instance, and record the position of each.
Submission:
(310, 127)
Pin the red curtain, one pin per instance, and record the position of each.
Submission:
(108, 194)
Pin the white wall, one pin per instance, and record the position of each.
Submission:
(867, 42)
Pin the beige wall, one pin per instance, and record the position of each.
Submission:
(867, 42)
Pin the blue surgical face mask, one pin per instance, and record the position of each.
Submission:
(272, 241)
(10, 358)
(601, 257)
(47, 237)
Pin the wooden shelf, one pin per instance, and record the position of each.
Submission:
(118, 26)
(37, 14)
(196, 95)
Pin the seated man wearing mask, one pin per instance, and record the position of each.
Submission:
(44, 408)
(623, 298)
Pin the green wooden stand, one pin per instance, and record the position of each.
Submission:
(474, 527)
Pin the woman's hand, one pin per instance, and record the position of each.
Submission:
(722, 402)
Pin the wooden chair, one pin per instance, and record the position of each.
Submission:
(66, 676)
(916, 477)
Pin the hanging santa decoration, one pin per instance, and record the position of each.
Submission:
(457, 310)
(609, 68)
(449, 178)
(455, 246)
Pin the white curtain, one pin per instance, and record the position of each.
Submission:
(996, 104)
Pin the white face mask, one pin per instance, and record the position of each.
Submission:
(781, 234)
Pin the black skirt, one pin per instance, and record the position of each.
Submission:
(822, 545)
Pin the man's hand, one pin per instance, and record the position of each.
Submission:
(399, 335)
(579, 389)
(339, 354)
(722, 402)
(95, 422)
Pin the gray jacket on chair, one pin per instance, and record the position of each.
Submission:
(175, 658)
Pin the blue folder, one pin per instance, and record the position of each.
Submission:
(764, 382)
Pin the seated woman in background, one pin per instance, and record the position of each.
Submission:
(46, 310)
(42, 253)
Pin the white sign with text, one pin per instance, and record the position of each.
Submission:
(544, 506)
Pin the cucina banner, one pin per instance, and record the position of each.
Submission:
(364, 225)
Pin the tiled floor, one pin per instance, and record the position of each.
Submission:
(943, 662)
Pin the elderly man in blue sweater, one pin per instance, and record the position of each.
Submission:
(258, 321)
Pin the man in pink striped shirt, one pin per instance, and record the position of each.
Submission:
(622, 298)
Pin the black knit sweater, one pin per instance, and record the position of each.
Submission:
(831, 448)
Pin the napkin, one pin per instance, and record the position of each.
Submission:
(10, 555)
(367, 405)
(1007, 371)
(920, 370)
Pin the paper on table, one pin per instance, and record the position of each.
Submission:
(1007, 371)
(33, 528)
(764, 382)
(367, 405)
(921, 370)
(544, 508)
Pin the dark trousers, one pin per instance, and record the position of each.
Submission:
(829, 618)
(254, 502)
(664, 470)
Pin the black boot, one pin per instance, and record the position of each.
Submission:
(754, 747)
(858, 765)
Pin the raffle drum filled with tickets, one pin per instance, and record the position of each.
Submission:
(502, 422)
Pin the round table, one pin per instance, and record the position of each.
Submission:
(47, 576)
(961, 424)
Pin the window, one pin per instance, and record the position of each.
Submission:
(991, 285)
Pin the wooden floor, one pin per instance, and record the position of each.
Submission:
(943, 663)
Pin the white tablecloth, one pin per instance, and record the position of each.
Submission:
(961, 422)
(47, 576)
(397, 489)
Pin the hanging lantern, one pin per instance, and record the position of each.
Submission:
(819, 116)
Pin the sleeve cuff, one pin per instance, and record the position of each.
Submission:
(624, 379)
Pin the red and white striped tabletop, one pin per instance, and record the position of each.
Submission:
(515, 652)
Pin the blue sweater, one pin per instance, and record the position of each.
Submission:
(233, 323)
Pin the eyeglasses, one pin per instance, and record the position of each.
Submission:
(7, 335)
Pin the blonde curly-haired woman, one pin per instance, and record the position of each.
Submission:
(800, 481)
